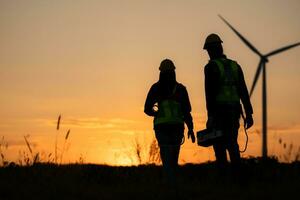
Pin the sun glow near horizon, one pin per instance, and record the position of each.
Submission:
(116, 143)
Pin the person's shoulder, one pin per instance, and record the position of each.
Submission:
(181, 87)
(234, 61)
(211, 66)
(239, 68)
(210, 63)
(154, 87)
(155, 84)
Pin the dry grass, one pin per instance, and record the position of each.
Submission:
(57, 128)
(150, 151)
(3, 147)
(138, 151)
(64, 145)
(58, 122)
(30, 156)
(290, 152)
(154, 152)
(63, 149)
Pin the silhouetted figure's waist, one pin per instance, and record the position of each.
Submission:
(169, 127)
(169, 134)
(227, 110)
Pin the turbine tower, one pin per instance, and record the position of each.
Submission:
(261, 67)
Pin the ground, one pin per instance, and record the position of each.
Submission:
(262, 179)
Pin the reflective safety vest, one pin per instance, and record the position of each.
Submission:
(228, 90)
(169, 112)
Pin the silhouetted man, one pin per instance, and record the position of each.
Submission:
(225, 88)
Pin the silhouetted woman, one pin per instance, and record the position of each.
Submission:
(169, 104)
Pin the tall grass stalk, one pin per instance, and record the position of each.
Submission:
(3, 144)
(57, 128)
(58, 122)
(28, 146)
(63, 149)
(35, 158)
(150, 153)
(154, 152)
(138, 151)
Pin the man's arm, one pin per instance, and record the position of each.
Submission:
(244, 95)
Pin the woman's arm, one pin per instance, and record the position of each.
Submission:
(150, 101)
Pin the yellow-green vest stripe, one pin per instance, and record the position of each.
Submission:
(228, 92)
(169, 112)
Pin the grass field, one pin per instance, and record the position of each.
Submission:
(267, 179)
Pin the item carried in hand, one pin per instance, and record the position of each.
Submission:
(208, 137)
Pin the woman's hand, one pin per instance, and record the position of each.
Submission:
(210, 123)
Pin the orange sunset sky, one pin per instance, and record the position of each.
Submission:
(94, 61)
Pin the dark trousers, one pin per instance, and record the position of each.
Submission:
(229, 124)
(169, 139)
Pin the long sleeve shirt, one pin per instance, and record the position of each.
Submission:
(156, 94)
(212, 85)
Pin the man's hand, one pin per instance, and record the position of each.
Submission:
(191, 135)
(210, 123)
(249, 121)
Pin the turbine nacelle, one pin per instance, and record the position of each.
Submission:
(264, 59)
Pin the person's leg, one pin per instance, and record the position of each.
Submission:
(165, 154)
(168, 157)
(170, 167)
(175, 155)
(220, 145)
(220, 153)
(233, 146)
(169, 140)
(221, 158)
(234, 151)
(175, 140)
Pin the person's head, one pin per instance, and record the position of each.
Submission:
(167, 74)
(213, 45)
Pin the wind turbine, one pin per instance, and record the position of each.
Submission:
(261, 67)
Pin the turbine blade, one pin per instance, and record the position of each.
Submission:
(242, 37)
(282, 49)
(257, 73)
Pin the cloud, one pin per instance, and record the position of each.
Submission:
(129, 131)
(285, 128)
(277, 128)
(13, 143)
(122, 121)
(91, 123)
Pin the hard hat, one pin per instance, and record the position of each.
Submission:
(166, 65)
(212, 39)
